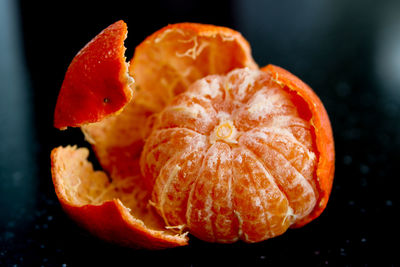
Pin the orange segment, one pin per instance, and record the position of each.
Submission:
(256, 176)
(293, 184)
(210, 205)
(164, 146)
(96, 84)
(176, 179)
(116, 212)
(322, 131)
(261, 207)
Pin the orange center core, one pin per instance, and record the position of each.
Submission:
(224, 130)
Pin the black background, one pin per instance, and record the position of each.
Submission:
(347, 51)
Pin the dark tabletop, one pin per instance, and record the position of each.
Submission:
(347, 51)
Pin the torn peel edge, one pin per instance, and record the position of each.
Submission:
(200, 30)
(108, 219)
(97, 83)
(323, 137)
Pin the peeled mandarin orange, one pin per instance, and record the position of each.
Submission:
(192, 136)
(233, 157)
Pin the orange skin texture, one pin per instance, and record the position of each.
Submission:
(323, 137)
(104, 90)
(95, 85)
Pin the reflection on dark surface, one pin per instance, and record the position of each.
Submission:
(347, 51)
(387, 54)
(18, 177)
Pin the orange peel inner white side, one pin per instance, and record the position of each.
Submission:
(80, 188)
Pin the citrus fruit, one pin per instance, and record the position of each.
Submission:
(233, 158)
(192, 137)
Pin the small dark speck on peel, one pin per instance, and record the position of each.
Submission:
(106, 100)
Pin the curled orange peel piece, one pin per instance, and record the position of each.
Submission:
(96, 83)
(91, 200)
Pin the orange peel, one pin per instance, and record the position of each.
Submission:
(96, 83)
(322, 131)
(89, 198)
(116, 104)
